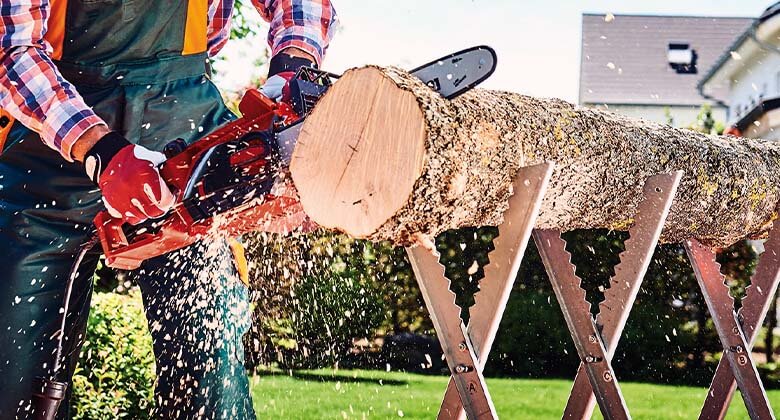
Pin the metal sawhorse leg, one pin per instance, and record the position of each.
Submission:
(466, 347)
(596, 339)
(737, 330)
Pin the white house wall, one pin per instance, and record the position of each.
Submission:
(759, 79)
(683, 116)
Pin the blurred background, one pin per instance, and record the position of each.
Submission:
(538, 42)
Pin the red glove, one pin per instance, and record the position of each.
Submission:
(128, 177)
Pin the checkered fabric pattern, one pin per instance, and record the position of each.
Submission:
(34, 92)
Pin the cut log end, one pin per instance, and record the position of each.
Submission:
(359, 153)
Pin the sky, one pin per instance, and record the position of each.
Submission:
(537, 41)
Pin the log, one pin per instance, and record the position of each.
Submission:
(384, 157)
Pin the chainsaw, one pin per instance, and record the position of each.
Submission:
(235, 180)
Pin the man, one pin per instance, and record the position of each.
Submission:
(105, 84)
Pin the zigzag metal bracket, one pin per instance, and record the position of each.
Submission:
(595, 375)
(509, 248)
(576, 311)
(659, 192)
(755, 305)
(466, 349)
(458, 350)
(735, 346)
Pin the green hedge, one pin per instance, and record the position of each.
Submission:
(115, 374)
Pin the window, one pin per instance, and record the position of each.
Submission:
(682, 58)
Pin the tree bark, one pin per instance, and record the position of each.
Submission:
(384, 157)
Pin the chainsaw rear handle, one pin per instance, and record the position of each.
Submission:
(182, 158)
(111, 230)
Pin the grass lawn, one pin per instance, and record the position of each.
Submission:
(354, 394)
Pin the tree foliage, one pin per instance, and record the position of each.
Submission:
(114, 377)
(706, 123)
(241, 25)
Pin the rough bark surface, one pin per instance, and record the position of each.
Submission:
(476, 143)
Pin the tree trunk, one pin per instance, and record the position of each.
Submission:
(384, 157)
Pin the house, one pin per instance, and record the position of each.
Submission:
(748, 71)
(649, 66)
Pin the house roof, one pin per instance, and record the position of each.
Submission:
(624, 60)
(770, 12)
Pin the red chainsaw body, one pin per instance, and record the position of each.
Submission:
(279, 212)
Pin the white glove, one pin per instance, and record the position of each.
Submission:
(272, 88)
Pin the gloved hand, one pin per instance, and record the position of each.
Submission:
(281, 70)
(277, 87)
(128, 177)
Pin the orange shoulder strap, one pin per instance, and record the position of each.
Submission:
(55, 33)
(6, 122)
(196, 29)
(239, 258)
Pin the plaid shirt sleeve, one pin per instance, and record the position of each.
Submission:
(304, 24)
(220, 13)
(31, 88)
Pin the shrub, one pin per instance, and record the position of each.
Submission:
(332, 310)
(115, 373)
(313, 294)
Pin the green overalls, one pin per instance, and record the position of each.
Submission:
(133, 63)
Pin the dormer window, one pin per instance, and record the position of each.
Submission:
(682, 58)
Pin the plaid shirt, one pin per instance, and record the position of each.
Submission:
(34, 92)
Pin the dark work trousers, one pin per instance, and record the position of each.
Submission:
(131, 65)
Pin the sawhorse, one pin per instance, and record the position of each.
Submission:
(737, 330)
(596, 339)
(466, 348)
